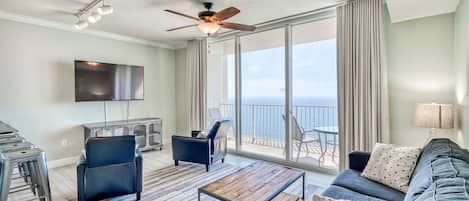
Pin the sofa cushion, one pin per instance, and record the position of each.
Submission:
(352, 180)
(454, 189)
(338, 192)
(392, 165)
(440, 159)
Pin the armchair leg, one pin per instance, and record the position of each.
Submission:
(138, 195)
(207, 167)
(176, 162)
(223, 160)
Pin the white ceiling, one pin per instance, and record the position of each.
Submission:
(402, 10)
(145, 19)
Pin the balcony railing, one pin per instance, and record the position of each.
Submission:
(264, 125)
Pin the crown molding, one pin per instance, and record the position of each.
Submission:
(92, 32)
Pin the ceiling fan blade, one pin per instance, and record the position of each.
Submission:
(183, 27)
(182, 14)
(236, 26)
(226, 13)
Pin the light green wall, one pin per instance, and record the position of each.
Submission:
(420, 67)
(461, 64)
(37, 84)
(181, 111)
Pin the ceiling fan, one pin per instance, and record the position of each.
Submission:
(210, 21)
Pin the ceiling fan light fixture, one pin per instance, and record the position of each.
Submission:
(105, 10)
(209, 27)
(94, 17)
(81, 24)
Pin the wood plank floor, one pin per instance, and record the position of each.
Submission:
(63, 179)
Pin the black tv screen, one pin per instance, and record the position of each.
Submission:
(95, 81)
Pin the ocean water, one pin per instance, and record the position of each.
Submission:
(262, 118)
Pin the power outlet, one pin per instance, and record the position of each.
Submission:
(64, 142)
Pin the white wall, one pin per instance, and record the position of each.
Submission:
(37, 84)
(181, 85)
(461, 64)
(420, 66)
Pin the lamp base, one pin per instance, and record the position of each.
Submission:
(430, 136)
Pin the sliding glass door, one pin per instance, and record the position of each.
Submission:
(263, 93)
(314, 134)
(255, 78)
(221, 85)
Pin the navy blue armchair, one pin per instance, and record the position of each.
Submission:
(202, 150)
(109, 167)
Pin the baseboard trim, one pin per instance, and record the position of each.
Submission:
(62, 162)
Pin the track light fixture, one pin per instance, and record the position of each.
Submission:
(105, 9)
(81, 24)
(94, 17)
(94, 14)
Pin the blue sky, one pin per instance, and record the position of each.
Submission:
(314, 72)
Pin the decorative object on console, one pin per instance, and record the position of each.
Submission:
(205, 151)
(392, 165)
(433, 116)
(109, 167)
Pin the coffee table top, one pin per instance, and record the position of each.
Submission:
(256, 182)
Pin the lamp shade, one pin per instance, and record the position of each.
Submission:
(432, 115)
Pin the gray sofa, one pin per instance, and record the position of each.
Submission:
(441, 173)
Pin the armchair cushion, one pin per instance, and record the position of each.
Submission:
(352, 180)
(109, 167)
(117, 150)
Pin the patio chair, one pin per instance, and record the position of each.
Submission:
(301, 137)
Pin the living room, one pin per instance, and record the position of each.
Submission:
(234, 100)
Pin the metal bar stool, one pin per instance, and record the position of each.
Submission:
(24, 169)
(33, 157)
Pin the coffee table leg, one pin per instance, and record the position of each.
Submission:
(304, 186)
(198, 195)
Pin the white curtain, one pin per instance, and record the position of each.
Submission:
(196, 77)
(362, 79)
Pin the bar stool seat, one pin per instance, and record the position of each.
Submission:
(11, 140)
(9, 135)
(16, 146)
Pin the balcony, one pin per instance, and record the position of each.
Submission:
(263, 132)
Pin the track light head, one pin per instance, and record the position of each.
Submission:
(94, 17)
(81, 24)
(105, 10)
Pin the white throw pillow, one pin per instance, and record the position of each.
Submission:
(323, 198)
(392, 165)
(201, 135)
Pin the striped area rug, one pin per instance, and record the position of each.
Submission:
(179, 183)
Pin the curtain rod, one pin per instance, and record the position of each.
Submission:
(288, 18)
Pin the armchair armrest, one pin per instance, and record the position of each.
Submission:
(358, 160)
(139, 165)
(81, 167)
(191, 149)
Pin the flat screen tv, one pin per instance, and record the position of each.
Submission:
(95, 81)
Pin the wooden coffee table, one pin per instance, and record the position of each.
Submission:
(260, 181)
